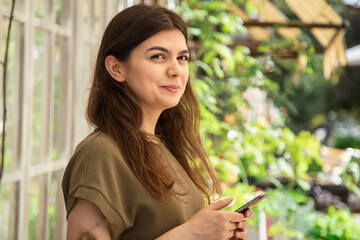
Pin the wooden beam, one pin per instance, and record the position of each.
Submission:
(293, 24)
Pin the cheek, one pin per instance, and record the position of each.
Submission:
(186, 75)
(140, 77)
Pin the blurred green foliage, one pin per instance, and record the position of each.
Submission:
(261, 151)
(221, 75)
(335, 225)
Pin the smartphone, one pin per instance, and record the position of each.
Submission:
(251, 203)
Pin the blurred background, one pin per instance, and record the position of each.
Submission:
(279, 89)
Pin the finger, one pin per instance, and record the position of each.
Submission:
(231, 226)
(243, 224)
(220, 204)
(235, 217)
(241, 234)
(248, 213)
(230, 235)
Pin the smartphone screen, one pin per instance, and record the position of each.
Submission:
(251, 203)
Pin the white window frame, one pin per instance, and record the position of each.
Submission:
(73, 106)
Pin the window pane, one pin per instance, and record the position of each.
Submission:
(19, 4)
(61, 8)
(83, 85)
(13, 98)
(42, 9)
(9, 209)
(37, 207)
(130, 2)
(56, 208)
(60, 96)
(86, 18)
(99, 16)
(122, 4)
(41, 68)
(114, 7)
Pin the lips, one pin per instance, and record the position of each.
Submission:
(171, 88)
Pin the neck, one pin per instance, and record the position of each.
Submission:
(149, 121)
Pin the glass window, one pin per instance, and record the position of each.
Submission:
(114, 7)
(83, 86)
(19, 4)
(37, 207)
(41, 53)
(42, 9)
(56, 206)
(13, 86)
(61, 8)
(60, 96)
(87, 20)
(99, 21)
(9, 217)
(51, 58)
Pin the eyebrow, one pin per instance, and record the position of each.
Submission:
(186, 51)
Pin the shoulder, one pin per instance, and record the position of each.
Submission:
(96, 161)
(98, 143)
(96, 164)
(95, 172)
(98, 153)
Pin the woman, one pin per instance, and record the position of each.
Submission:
(137, 176)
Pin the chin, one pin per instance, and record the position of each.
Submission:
(171, 104)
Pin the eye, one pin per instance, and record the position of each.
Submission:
(158, 56)
(183, 58)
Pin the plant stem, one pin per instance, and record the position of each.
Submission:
(4, 90)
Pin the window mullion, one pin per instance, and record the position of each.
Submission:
(70, 76)
(26, 121)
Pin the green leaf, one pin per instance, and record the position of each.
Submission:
(205, 67)
(192, 31)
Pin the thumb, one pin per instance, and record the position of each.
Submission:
(221, 204)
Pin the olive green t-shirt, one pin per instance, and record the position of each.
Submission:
(98, 173)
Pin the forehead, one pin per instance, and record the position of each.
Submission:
(170, 39)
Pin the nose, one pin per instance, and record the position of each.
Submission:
(174, 69)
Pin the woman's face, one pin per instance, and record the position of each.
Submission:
(157, 71)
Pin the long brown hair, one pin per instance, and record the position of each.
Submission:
(112, 107)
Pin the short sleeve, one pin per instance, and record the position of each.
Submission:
(97, 173)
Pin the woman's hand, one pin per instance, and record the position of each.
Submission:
(211, 223)
(241, 226)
